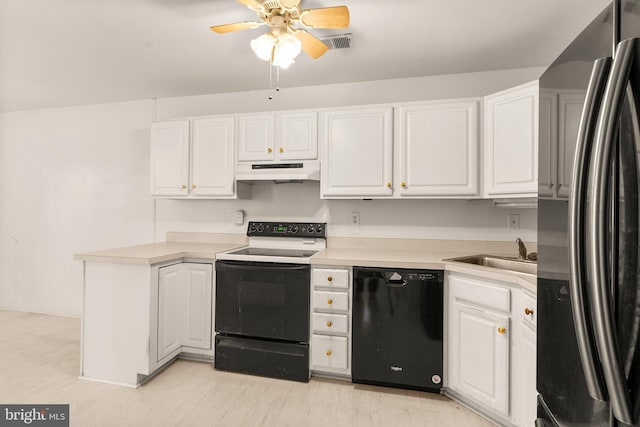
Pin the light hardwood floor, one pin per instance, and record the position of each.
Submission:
(39, 364)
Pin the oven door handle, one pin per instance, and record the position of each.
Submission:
(249, 265)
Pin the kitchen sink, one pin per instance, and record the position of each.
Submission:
(498, 262)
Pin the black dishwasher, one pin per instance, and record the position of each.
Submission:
(397, 328)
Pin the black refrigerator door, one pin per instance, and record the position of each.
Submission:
(613, 225)
(561, 382)
(397, 328)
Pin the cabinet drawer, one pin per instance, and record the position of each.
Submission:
(331, 278)
(332, 301)
(480, 293)
(331, 323)
(527, 309)
(328, 351)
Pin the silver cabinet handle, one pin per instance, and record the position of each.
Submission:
(601, 302)
(576, 221)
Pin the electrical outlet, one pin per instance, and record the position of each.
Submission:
(239, 220)
(514, 221)
(355, 219)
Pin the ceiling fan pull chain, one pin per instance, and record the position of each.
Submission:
(270, 82)
(278, 79)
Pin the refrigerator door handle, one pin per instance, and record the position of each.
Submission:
(581, 320)
(599, 176)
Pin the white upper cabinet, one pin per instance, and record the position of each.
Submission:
(297, 135)
(570, 111)
(255, 137)
(437, 149)
(560, 114)
(202, 166)
(511, 142)
(357, 150)
(170, 158)
(212, 165)
(278, 136)
(548, 143)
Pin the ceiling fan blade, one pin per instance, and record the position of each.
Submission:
(251, 4)
(289, 4)
(312, 46)
(327, 17)
(228, 28)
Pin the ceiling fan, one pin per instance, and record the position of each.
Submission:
(283, 42)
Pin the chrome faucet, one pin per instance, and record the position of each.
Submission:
(522, 249)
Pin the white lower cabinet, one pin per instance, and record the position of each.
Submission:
(331, 321)
(169, 310)
(481, 360)
(137, 317)
(184, 315)
(524, 360)
(329, 352)
(491, 347)
(198, 288)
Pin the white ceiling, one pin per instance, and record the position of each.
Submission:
(73, 52)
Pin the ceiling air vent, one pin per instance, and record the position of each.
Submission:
(337, 41)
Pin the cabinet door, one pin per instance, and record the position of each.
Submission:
(169, 310)
(479, 356)
(255, 137)
(198, 284)
(570, 106)
(329, 352)
(298, 136)
(212, 158)
(524, 378)
(511, 142)
(438, 149)
(170, 158)
(357, 153)
(548, 144)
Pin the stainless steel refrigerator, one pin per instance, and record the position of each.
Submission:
(588, 352)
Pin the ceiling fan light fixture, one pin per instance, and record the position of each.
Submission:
(281, 50)
(287, 49)
(263, 46)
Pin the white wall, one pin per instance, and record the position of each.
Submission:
(77, 179)
(336, 95)
(71, 180)
(417, 219)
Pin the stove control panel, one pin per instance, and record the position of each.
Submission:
(287, 229)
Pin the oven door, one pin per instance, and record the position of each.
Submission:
(263, 300)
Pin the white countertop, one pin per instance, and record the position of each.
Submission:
(363, 252)
(422, 254)
(154, 253)
(178, 245)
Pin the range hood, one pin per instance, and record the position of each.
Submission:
(279, 172)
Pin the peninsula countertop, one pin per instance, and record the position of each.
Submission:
(178, 245)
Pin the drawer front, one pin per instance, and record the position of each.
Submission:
(328, 352)
(331, 323)
(527, 309)
(477, 293)
(330, 278)
(331, 301)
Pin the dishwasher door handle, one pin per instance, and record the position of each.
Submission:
(396, 283)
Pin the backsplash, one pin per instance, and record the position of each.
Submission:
(413, 219)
